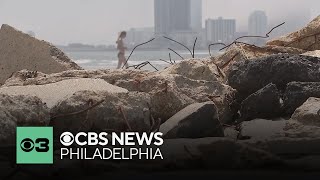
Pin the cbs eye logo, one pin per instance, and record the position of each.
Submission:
(40, 145)
(66, 139)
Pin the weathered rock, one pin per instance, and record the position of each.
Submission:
(214, 153)
(196, 69)
(297, 93)
(264, 103)
(277, 128)
(231, 132)
(20, 111)
(102, 111)
(26, 52)
(262, 129)
(55, 92)
(195, 121)
(240, 52)
(112, 76)
(287, 147)
(306, 38)
(169, 92)
(250, 76)
(315, 53)
(309, 112)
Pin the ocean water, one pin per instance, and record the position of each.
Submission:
(109, 59)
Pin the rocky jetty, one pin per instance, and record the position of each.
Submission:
(20, 51)
(252, 107)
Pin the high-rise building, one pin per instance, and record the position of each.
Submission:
(196, 15)
(162, 16)
(220, 30)
(258, 23)
(172, 16)
(178, 19)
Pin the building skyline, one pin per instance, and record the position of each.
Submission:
(220, 30)
(257, 26)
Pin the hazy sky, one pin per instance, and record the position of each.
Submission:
(99, 21)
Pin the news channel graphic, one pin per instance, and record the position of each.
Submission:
(35, 145)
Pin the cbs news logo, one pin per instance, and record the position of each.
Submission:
(34, 145)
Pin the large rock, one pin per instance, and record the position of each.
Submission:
(214, 153)
(20, 51)
(277, 128)
(315, 53)
(196, 69)
(52, 93)
(309, 112)
(169, 92)
(249, 76)
(297, 93)
(241, 52)
(20, 111)
(264, 103)
(306, 38)
(195, 121)
(102, 111)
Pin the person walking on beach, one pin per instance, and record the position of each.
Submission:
(122, 48)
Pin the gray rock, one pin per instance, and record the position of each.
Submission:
(26, 52)
(309, 112)
(20, 111)
(195, 121)
(297, 93)
(214, 153)
(287, 147)
(169, 92)
(196, 69)
(264, 103)
(259, 129)
(52, 93)
(108, 112)
(249, 76)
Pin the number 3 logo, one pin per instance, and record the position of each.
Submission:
(40, 145)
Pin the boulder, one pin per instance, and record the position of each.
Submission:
(26, 77)
(287, 147)
(276, 128)
(20, 111)
(214, 153)
(315, 53)
(297, 93)
(52, 93)
(306, 38)
(309, 112)
(102, 111)
(196, 69)
(195, 121)
(265, 103)
(20, 51)
(249, 76)
(169, 92)
(241, 52)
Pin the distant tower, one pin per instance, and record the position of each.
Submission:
(258, 23)
(162, 17)
(196, 15)
(177, 15)
(220, 30)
